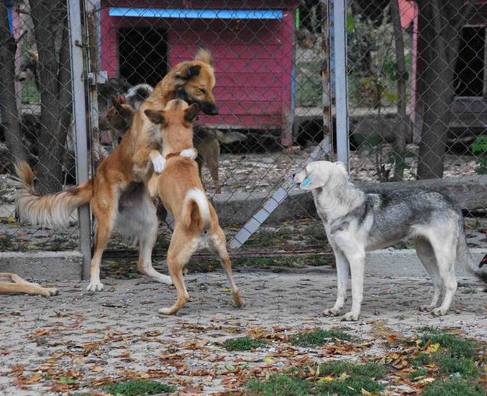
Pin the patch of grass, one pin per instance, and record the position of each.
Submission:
(372, 370)
(243, 344)
(336, 378)
(318, 337)
(420, 372)
(278, 385)
(450, 365)
(452, 354)
(138, 387)
(456, 346)
(343, 378)
(453, 387)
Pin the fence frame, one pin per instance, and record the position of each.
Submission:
(78, 74)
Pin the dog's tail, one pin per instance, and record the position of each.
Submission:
(464, 255)
(196, 210)
(48, 210)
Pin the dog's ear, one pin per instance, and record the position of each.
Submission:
(117, 102)
(204, 55)
(156, 117)
(191, 112)
(188, 72)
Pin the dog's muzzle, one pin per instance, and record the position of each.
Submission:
(206, 107)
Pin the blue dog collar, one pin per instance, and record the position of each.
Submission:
(306, 182)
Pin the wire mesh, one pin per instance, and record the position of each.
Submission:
(416, 88)
(36, 114)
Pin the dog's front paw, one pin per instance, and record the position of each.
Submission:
(95, 286)
(52, 291)
(439, 311)
(189, 153)
(350, 316)
(159, 163)
(49, 291)
(331, 312)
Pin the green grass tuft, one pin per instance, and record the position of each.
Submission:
(420, 372)
(371, 370)
(243, 344)
(138, 387)
(279, 385)
(457, 347)
(318, 337)
(453, 387)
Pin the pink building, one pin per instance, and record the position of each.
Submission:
(251, 41)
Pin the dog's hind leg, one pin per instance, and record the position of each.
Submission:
(105, 209)
(445, 247)
(218, 245)
(147, 240)
(427, 256)
(180, 251)
(342, 283)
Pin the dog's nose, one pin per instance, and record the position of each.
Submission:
(213, 111)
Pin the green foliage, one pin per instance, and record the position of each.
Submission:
(138, 387)
(278, 385)
(371, 370)
(454, 355)
(335, 378)
(421, 372)
(243, 344)
(456, 346)
(479, 149)
(453, 387)
(318, 337)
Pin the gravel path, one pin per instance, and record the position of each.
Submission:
(79, 341)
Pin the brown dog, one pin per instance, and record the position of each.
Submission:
(206, 141)
(14, 284)
(181, 191)
(117, 194)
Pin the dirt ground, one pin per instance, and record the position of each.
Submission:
(79, 341)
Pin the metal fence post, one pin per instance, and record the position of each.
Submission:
(340, 46)
(80, 126)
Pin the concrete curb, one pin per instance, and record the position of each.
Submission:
(67, 265)
(50, 266)
(405, 263)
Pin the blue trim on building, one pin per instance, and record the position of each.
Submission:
(185, 13)
(10, 12)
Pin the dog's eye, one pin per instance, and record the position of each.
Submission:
(203, 91)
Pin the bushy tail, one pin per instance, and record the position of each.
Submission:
(48, 210)
(463, 255)
(196, 210)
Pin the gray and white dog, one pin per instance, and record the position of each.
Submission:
(356, 222)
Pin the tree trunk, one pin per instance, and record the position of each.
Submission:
(9, 113)
(49, 16)
(439, 29)
(403, 129)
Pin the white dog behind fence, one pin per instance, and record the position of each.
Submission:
(356, 222)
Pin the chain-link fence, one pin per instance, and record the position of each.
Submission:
(36, 114)
(416, 85)
(416, 92)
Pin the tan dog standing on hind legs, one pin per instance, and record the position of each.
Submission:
(118, 194)
(181, 191)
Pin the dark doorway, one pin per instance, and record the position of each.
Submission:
(142, 55)
(469, 70)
